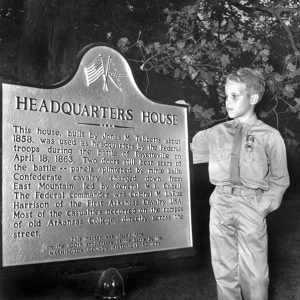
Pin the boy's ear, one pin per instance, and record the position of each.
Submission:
(254, 98)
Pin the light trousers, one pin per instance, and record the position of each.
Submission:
(239, 246)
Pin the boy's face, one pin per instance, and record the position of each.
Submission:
(239, 104)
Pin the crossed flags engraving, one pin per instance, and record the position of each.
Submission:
(96, 70)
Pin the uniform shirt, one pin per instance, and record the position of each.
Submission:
(264, 167)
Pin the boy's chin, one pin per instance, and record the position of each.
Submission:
(231, 115)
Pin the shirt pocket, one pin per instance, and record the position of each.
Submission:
(220, 152)
(219, 165)
(222, 155)
(255, 154)
(254, 163)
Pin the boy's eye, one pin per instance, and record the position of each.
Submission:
(232, 97)
(235, 97)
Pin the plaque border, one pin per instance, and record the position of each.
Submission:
(145, 257)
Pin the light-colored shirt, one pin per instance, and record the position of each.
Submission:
(263, 166)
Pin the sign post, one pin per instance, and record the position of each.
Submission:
(92, 168)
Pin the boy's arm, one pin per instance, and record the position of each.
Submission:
(278, 177)
(199, 147)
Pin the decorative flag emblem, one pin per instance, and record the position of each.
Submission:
(94, 70)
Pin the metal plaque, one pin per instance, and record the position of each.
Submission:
(92, 168)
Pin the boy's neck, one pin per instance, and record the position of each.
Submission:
(247, 119)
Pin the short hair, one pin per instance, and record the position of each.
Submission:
(253, 78)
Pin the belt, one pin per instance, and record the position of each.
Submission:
(238, 191)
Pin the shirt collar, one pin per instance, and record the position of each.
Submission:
(250, 122)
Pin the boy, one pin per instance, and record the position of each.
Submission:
(247, 164)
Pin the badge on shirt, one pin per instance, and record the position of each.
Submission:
(249, 143)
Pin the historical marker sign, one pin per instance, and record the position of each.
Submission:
(92, 168)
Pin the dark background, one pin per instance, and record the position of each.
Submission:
(39, 45)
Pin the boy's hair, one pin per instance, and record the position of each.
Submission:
(253, 78)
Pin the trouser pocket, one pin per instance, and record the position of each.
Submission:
(261, 205)
(213, 197)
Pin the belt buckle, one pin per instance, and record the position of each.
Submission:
(232, 189)
(228, 189)
(235, 191)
